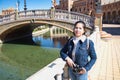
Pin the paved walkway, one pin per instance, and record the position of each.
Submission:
(107, 66)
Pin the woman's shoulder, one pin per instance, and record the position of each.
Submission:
(70, 39)
(91, 42)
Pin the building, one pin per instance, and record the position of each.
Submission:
(63, 4)
(8, 11)
(81, 6)
(84, 6)
(111, 11)
(110, 8)
(0, 14)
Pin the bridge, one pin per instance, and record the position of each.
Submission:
(20, 21)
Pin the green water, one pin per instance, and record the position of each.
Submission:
(18, 62)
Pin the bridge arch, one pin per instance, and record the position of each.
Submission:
(59, 18)
(32, 23)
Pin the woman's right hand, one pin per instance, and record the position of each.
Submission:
(70, 62)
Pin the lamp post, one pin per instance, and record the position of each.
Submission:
(98, 15)
(25, 8)
(98, 7)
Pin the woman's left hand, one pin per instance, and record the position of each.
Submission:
(83, 71)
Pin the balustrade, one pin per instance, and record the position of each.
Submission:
(56, 14)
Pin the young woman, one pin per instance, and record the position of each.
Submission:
(75, 52)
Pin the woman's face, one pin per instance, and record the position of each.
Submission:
(78, 30)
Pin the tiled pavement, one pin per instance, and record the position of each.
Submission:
(107, 66)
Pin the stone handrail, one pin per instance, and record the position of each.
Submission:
(55, 14)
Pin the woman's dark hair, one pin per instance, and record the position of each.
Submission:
(84, 25)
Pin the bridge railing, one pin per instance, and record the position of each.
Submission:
(45, 14)
(73, 17)
(35, 13)
(55, 14)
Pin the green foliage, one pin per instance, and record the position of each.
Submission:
(47, 34)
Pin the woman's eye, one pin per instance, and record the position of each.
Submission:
(77, 28)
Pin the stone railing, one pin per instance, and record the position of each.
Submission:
(54, 14)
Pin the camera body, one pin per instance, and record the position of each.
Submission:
(76, 68)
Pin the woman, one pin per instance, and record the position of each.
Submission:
(76, 53)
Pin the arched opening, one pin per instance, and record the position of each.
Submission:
(118, 18)
(114, 17)
(104, 17)
(108, 17)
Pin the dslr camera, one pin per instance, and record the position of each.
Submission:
(76, 68)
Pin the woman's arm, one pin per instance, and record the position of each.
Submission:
(93, 56)
(64, 55)
(63, 51)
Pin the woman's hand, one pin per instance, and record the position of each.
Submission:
(83, 71)
(70, 62)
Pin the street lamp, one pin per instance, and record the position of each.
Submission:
(98, 6)
(25, 8)
(98, 19)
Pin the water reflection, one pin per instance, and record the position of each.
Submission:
(20, 58)
(56, 42)
(27, 40)
(51, 37)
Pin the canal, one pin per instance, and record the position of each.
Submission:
(21, 58)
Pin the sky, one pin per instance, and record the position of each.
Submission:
(31, 4)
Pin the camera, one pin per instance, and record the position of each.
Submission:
(76, 68)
